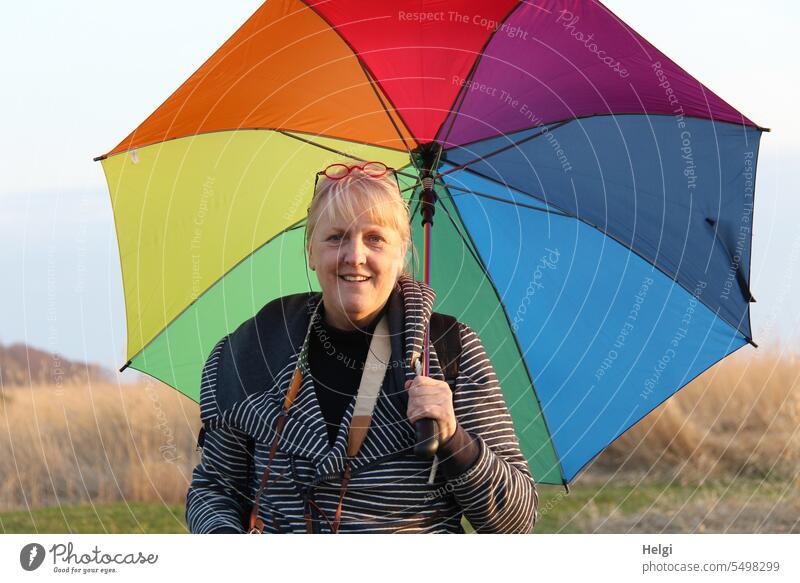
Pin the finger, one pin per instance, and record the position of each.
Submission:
(424, 399)
(435, 412)
(428, 383)
(445, 424)
(431, 406)
(423, 380)
(430, 398)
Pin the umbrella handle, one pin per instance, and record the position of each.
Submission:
(427, 445)
(427, 430)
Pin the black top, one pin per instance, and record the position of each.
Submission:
(337, 359)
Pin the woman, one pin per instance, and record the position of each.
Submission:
(308, 408)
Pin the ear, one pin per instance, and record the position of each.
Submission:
(402, 259)
(311, 263)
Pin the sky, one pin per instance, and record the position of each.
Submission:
(78, 76)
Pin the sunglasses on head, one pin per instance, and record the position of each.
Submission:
(339, 171)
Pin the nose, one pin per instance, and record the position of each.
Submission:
(353, 251)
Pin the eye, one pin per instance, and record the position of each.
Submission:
(375, 238)
(334, 237)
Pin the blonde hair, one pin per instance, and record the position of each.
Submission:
(356, 194)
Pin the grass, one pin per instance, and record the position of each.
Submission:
(133, 518)
(652, 507)
(714, 506)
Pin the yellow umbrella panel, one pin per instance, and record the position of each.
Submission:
(192, 211)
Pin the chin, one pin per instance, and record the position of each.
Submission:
(355, 311)
(358, 299)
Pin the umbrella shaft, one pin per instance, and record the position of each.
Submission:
(427, 158)
(427, 279)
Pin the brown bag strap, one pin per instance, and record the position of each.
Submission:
(256, 524)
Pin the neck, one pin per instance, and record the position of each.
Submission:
(349, 323)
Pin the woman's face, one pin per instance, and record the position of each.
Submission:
(343, 254)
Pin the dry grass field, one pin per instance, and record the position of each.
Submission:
(741, 418)
(721, 456)
(99, 443)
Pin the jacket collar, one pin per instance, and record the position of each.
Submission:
(418, 298)
(304, 433)
(410, 309)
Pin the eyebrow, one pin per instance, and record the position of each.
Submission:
(371, 226)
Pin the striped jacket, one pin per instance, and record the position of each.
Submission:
(244, 383)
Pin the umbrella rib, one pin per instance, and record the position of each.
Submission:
(318, 145)
(517, 190)
(458, 102)
(293, 227)
(414, 212)
(335, 151)
(370, 78)
(464, 239)
(460, 234)
(512, 332)
(507, 201)
(504, 148)
(740, 279)
(411, 223)
(593, 115)
(237, 129)
(624, 244)
(383, 105)
(655, 406)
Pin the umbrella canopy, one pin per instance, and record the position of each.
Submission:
(594, 203)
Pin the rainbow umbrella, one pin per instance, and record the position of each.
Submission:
(593, 200)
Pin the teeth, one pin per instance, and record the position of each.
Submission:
(354, 278)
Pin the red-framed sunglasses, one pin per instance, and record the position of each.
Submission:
(339, 171)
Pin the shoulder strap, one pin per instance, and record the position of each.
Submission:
(380, 352)
(447, 343)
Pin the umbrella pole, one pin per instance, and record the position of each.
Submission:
(426, 277)
(427, 158)
(427, 430)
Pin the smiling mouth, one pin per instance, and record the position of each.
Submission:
(354, 278)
